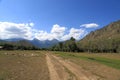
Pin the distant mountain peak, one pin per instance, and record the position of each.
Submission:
(45, 43)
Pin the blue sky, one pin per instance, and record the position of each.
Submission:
(52, 17)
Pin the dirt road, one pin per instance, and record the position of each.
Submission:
(52, 71)
(60, 69)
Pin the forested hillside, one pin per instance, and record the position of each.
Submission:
(17, 45)
(106, 39)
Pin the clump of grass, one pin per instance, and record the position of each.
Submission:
(3, 75)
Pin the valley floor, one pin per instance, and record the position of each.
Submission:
(46, 65)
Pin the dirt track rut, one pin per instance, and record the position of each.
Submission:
(73, 71)
(52, 71)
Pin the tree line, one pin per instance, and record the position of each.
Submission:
(96, 46)
(91, 46)
(19, 45)
(67, 46)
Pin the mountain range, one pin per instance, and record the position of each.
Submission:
(45, 43)
(34, 42)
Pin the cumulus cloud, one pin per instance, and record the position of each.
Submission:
(26, 30)
(90, 25)
(14, 30)
(76, 33)
(58, 29)
(57, 32)
(43, 35)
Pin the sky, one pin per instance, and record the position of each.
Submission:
(55, 19)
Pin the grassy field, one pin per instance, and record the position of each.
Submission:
(104, 65)
(106, 59)
(32, 65)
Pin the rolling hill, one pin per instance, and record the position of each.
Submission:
(106, 39)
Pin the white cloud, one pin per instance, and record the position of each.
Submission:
(76, 33)
(57, 32)
(43, 35)
(14, 30)
(58, 29)
(27, 31)
(90, 25)
(31, 24)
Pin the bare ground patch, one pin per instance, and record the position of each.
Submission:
(76, 70)
(53, 74)
(60, 70)
(67, 70)
(23, 65)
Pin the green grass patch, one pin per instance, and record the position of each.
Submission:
(106, 61)
(3, 75)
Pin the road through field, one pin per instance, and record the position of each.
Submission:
(69, 71)
(47, 65)
(52, 71)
